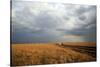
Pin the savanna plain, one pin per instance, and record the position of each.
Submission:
(52, 53)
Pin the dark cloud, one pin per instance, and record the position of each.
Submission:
(82, 18)
(50, 22)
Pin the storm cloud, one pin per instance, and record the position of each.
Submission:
(52, 22)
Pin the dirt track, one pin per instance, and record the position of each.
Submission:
(83, 49)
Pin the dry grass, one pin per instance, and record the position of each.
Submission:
(33, 54)
(92, 44)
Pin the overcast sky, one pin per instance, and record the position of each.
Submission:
(52, 22)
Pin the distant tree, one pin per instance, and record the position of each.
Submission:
(61, 44)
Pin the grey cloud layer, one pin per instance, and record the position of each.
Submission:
(47, 22)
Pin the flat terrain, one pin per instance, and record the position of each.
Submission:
(52, 53)
(88, 44)
(83, 47)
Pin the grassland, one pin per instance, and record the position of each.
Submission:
(82, 47)
(47, 53)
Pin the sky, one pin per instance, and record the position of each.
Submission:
(34, 22)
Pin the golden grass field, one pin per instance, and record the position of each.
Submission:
(47, 53)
